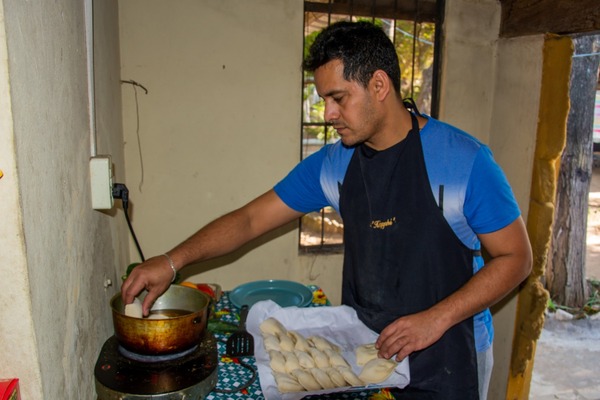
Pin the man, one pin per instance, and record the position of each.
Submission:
(418, 199)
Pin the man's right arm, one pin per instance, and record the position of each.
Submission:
(219, 237)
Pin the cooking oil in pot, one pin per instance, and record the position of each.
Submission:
(167, 313)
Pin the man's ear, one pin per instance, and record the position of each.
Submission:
(380, 84)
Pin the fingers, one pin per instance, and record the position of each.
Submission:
(403, 349)
(132, 287)
(405, 336)
(127, 293)
(148, 301)
(152, 276)
(396, 343)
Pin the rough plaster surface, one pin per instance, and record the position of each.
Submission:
(17, 335)
(60, 252)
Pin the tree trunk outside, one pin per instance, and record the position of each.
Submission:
(565, 275)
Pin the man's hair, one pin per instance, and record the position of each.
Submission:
(362, 48)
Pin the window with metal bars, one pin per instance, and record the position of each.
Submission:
(413, 28)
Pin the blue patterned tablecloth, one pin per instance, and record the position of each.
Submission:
(233, 375)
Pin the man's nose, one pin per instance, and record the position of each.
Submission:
(331, 112)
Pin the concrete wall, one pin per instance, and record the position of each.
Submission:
(57, 254)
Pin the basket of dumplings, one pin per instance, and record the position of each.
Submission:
(317, 350)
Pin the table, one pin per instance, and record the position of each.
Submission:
(235, 373)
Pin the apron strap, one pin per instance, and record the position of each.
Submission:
(410, 105)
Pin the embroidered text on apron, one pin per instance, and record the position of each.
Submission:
(402, 257)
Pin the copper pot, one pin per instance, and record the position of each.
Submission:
(187, 309)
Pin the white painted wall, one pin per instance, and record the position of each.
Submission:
(56, 253)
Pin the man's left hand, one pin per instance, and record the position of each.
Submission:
(408, 334)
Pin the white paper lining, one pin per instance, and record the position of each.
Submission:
(339, 325)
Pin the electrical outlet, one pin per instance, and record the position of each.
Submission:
(101, 181)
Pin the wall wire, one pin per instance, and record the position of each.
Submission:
(89, 42)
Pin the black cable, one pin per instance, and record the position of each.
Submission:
(120, 191)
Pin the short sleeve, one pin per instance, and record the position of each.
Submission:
(301, 189)
(490, 204)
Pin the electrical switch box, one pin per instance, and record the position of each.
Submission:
(101, 179)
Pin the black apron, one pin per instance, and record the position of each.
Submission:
(401, 257)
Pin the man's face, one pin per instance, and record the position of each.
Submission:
(349, 107)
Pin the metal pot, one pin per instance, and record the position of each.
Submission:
(163, 336)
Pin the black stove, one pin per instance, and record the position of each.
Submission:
(189, 375)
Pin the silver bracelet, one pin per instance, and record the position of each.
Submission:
(172, 266)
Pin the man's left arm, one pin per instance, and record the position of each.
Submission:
(510, 263)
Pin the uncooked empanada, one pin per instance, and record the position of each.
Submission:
(277, 362)
(271, 342)
(321, 359)
(321, 343)
(336, 377)
(323, 378)
(286, 342)
(306, 379)
(377, 370)
(365, 353)
(300, 342)
(304, 359)
(291, 361)
(335, 358)
(287, 383)
(134, 309)
(350, 376)
(272, 326)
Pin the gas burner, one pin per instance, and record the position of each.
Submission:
(191, 375)
(155, 358)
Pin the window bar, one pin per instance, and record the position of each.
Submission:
(373, 8)
(437, 58)
(414, 50)
(394, 22)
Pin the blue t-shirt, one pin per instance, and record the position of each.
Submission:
(477, 198)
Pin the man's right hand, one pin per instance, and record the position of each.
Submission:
(154, 275)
